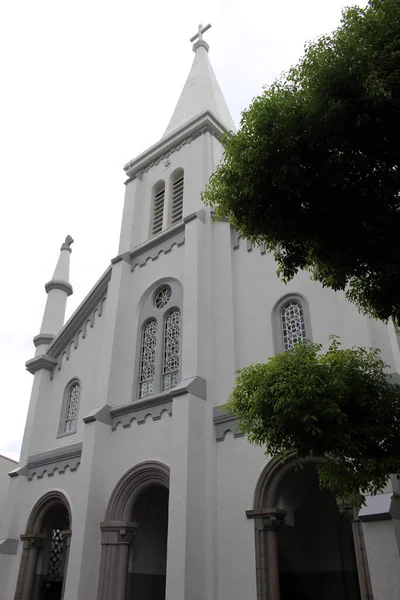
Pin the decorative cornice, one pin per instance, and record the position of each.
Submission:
(58, 284)
(235, 240)
(101, 414)
(205, 122)
(43, 361)
(161, 243)
(58, 459)
(225, 421)
(80, 316)
(199, 214)
(154, 406)
(43, 338)
(8, 546)
(218, 219)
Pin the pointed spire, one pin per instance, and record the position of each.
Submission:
(58, 290)
(201, 91)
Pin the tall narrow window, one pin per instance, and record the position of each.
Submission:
(148, 360)
(293, 324)
(71, 415)
(177, 198)
(172, 331)
(158, 208)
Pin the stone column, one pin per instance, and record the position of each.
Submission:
(32, 543)
(364, 580)
(267, 523)
(117, 537)
(362, 561)
(66, 533)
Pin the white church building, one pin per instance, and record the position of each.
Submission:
(133, 482)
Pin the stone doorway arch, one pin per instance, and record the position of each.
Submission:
(38, 545)
(118, 530)
(268, 518)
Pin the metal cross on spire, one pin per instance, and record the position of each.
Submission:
(200, 32)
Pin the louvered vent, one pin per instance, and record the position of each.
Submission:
(158, 211)
(177, 201)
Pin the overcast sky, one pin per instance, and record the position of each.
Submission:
(86, 86)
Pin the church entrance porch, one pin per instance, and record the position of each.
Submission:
(314, 542)
(148, 555)
(134, 536)
(304, 545)
(45, 551)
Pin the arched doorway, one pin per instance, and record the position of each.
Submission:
(304, 545)
(315, 542)
(134, 536)
(148, 556)
(45, 550)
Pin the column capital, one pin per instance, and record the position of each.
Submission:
(118, 532)
(33, 540)
(268, 519)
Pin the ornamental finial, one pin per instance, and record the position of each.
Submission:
(199, 37)
(67, 244)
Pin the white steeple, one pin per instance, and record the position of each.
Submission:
(58, 289)
(201, 91)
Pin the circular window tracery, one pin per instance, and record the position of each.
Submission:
(162, 297)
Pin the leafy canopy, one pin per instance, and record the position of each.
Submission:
(340, 405)
(314, 169)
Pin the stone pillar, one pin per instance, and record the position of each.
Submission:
(117, 537)
(362, 561)
(66, 533)
(267, 523)
(32, 543)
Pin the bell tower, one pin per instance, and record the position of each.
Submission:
(164, 183)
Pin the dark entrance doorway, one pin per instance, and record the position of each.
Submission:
(51, 561)
(148, 555)
(315, 545)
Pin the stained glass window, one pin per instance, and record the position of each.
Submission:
(56, 550)
(148, 360)
(172, 332)
(162, 297)
(293, 325)
(72, 408)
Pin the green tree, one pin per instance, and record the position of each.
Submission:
(314, 168)
(340, 405)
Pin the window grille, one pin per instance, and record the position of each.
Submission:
(293, 325)
(72, 408)
(55, 559)
(148, 360)
(158, 211)
(177, 201)
(162, 297)
(172, 330)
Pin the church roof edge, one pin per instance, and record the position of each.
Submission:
(83, 312)
(206, 121)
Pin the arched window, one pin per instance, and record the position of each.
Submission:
(159, 340)
(177, 184)
(171, 350)
(293, 324)
(148, 359)
(73, 394)
(158, 207)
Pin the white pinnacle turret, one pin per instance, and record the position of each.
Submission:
(201, 91)
(58, 290)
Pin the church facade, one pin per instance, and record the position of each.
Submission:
(133, 481)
